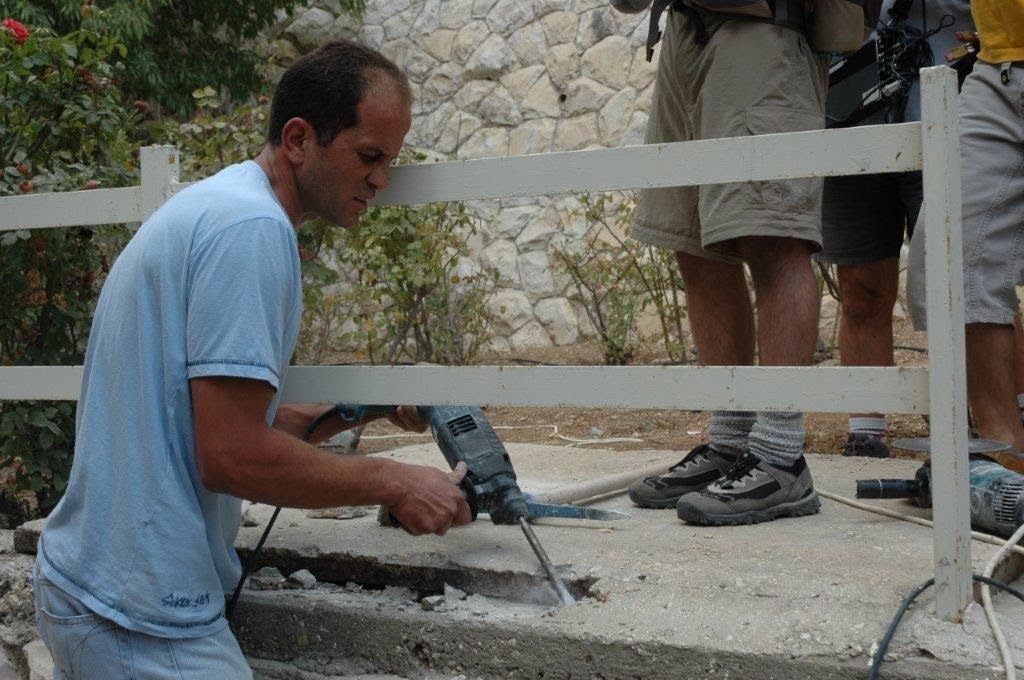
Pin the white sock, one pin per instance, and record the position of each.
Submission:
(872, 426)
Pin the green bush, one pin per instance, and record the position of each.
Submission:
(176, 47)
(64, 125)
(400, 294)
(618, 279)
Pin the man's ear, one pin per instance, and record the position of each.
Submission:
(296, 137)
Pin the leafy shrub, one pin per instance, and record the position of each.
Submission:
(618, 279)
(402, 289)
(176, 47)
(64, 125)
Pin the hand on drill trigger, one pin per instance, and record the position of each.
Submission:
(409, 419)
(432, 501)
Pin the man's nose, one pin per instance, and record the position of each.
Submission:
(380, 177)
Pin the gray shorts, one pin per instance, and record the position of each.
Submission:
(750, 78)
(992, 160)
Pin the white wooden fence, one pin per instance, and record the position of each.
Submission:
(939, 390)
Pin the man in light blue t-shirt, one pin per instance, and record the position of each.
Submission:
(178, 417)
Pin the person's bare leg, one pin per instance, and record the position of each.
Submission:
(719, 309)
(787, 299)
(865, 337)
(1018, 354)
(722, 322)
(990, 383)
(787, 329)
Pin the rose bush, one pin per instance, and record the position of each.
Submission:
(64, 125)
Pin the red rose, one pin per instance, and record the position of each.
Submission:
(16, 28)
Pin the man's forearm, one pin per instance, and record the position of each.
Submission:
(274, 467)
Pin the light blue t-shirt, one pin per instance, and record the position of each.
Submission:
(209, 286)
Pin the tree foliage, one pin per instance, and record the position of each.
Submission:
(64, 125)
(176, 47)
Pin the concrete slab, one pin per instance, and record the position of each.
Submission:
(794, 598)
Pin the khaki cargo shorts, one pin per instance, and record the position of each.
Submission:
(749, 79)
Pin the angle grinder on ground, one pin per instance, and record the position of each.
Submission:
(997, 494)
(465, 436)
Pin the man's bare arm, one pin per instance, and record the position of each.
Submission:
(239, 454)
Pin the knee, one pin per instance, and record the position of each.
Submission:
(866, 303)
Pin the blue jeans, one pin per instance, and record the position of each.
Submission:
(86, 646)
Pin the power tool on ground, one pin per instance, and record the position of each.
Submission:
(997, 494)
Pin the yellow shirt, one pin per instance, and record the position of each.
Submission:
(1001, 27)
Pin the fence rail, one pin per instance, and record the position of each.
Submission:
(931, 145)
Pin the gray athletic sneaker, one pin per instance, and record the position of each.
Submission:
(869, 445)
(700, 467)
(752, 491)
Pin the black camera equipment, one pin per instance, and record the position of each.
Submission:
(877, 78)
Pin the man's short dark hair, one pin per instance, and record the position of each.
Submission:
(326, 86)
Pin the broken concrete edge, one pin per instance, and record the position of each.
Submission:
(312, 630)
(373, 572)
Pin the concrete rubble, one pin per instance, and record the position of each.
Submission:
(796, 598)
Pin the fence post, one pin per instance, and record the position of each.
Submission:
(940, 148)
(159, 175)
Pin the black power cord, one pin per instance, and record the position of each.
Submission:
(254, 556)
(883, 646)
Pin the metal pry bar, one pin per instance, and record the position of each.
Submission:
(563, 593)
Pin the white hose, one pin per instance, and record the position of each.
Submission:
(990, 612)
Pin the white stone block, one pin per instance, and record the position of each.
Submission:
(529, 44)
(532, 334)
(510, 222)
(487, 142)
(535, 273)
(585, 95)
(455, 14)
(428, 20)
(596, 25)
(372, 36)
(482, 7)
(491, 59)
(40, 663)
(468, 39)
(518, 82)
(641, 72)
(559, 319)
(560, 27)
(508, 16)
(398, 25)
(512, 310)
(379, 11)
(471, 95)
(441, 84)
(542, 7)
(636, 131)
(536, 234)
(501, 257)
(576, 133)
(459, 127)
(533, 136)
(439, 44)
(562, 63)
(607, 61)
(498, 108)
(541, 100)
(312, 28)
(615, 117)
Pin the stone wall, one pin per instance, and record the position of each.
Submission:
(507, 77)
